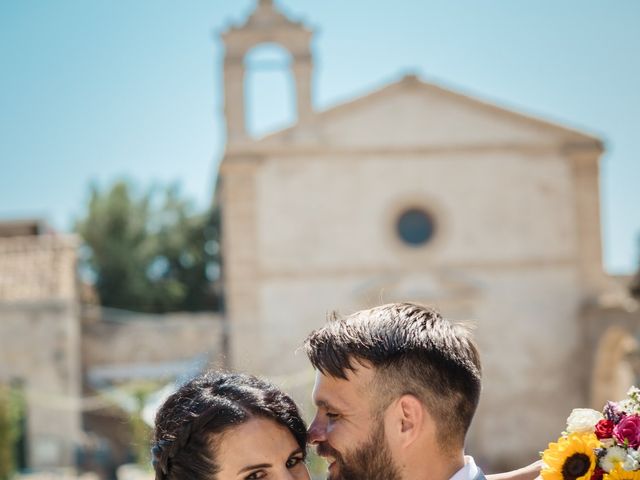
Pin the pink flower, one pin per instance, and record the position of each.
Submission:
(628, 431)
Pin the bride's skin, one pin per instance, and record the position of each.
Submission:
(260, 449)
(229, 426)
(530, 472)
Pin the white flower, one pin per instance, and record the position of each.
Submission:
(607, 442)
(632, 462)
(634, 399)
(629, 406)
(583, 420)
(614, 456)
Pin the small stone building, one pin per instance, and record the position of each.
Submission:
(63, 354)
(40, 338)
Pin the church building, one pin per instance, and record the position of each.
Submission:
(414, 192)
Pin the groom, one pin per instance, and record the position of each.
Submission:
(396, 389)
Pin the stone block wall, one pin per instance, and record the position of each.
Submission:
(40, 342)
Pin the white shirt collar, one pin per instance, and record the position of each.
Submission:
(468, 472)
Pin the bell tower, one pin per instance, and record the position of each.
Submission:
(265, 25)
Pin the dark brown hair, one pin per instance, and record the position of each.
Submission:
(187, 423)
(414, 351)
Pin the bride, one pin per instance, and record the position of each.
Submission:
(229, 426)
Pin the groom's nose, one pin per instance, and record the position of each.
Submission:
(317, 431)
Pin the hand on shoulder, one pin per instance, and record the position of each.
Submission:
(530, 472)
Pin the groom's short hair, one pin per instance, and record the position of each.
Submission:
(413, 350)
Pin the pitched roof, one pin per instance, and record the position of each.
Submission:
(426, 93)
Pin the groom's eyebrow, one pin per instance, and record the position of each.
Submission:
(325, 404)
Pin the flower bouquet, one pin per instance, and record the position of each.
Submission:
(598, 446)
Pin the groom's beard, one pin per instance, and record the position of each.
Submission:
(370, 461)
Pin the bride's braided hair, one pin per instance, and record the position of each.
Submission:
(184, 446)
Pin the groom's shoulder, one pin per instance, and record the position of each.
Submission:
(479, 475)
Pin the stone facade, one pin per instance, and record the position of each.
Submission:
(612, 327)
(36, 268)
(62, 352)
(310, 224)
(40, 342)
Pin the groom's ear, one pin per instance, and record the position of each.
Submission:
(410, 420)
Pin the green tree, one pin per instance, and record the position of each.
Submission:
(11, 405)
(141, 433)
(149, 252)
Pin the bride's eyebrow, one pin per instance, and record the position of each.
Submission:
(253, 467)
(296, 451)
(267, 465)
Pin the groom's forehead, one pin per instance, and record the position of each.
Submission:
(329, 389)
(331, 398)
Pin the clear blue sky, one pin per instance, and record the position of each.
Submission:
(95, 90)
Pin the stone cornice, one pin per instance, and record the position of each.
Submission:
(413, 268)
(251, 149)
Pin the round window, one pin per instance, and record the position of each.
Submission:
(415, 227)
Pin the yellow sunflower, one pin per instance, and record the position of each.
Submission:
(619, 473)
(571, 457)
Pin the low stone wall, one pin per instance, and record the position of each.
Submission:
(134, 472)
(56, 476)
(129, 350)
(116, 341)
